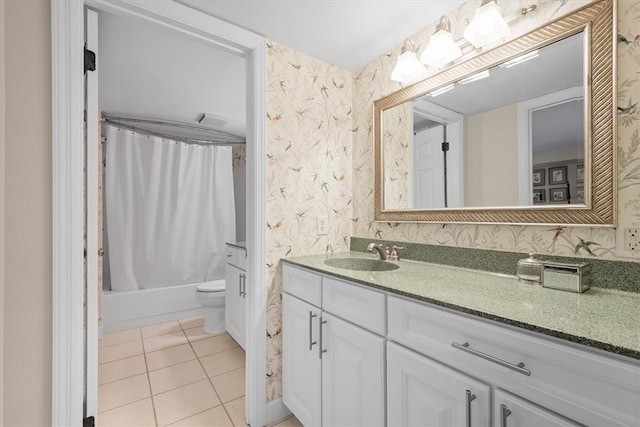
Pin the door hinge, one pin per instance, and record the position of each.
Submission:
(89, 60)
(89, 422)
(445, 146)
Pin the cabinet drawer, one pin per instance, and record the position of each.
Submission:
(230, 255)
(364, 307)
(511, 411)
(303, 284)
(580, 384)
(241, 258)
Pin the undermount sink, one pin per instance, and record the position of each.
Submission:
(361, 264)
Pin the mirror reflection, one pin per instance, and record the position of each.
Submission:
(511, 135)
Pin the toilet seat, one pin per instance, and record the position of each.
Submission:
(211, 287)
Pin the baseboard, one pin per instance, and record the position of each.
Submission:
(276, 410)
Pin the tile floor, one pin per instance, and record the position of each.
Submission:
(171, 374)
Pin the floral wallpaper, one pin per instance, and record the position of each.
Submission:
(397, 156)
(372, 82)
(309, 134)
(320, 159)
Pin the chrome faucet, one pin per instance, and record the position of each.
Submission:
(378, 247)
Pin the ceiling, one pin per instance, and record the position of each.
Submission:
(346, 33)
(146, 71)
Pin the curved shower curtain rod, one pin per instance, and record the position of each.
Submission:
(224, 137)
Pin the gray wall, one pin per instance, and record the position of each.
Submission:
(27, 273)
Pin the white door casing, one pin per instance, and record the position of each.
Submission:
(67, 188)
(91, 225)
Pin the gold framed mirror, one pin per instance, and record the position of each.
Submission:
(531, 183)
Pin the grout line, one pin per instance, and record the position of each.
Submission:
(153, 403)
(123, 378)
(124, 404)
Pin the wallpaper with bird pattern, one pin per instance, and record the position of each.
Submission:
(309, 138)
(320, 159)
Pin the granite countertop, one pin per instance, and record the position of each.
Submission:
(601, 318)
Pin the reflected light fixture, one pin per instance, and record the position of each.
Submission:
(442, 90)
(487, 25)
(478, 76)
(408, 68)
(441, 48)
(520, 59)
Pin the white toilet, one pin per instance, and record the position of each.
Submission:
(211, 295)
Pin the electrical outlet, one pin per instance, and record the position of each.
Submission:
(632, 239)
(323, 225)
(628, 240)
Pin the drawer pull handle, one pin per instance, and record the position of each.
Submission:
(320, 350)
(243, 285)
(504, 413)
(518, 368)
(470, 398)
(311, 341)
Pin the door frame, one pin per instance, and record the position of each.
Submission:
(67, 188)
(525, 136)
(2, 208)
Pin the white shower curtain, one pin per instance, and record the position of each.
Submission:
(170, 210)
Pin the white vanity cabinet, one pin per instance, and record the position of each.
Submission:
(301, 373)
(442, 367)
(235, 293)
(332, 368)
(422, 392)
(535, 377)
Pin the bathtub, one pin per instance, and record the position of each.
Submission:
(126, 310)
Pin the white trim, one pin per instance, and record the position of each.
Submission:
(68, 270)
(92, 222)
(256, 339)
(2, 208)
(67, 32)
(276, 411)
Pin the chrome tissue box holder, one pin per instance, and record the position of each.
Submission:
(567, 276)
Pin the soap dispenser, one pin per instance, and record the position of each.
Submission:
(530, 270)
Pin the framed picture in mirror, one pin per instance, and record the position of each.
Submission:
(558, 175)
(558, 195)
(580, 173)
(580, 195)
(538, 195)
(538, 178)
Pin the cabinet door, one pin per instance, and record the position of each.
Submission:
(352, 375)
(422, 392)
(234, 310)
(511, 411)
(301, 366)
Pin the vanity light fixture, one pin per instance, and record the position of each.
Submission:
(442, 90)
(441, 48)
(487, 25)
(478, 76)
(408, 68)
(520, 59)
